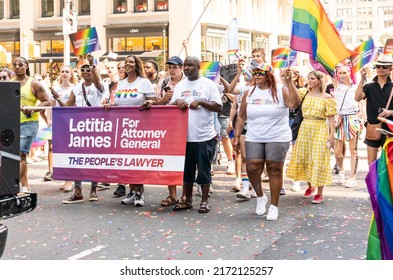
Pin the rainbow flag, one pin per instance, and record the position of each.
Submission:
(314, 33)
(210, 70)
(280, 57)
(339, 24)
(365, 54)
(388, 49)
(85, 41)
(232, 52)
(292, 58)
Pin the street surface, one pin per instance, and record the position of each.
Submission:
(334, 230)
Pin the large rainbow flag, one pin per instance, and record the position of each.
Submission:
(314, 33)
(380, 184)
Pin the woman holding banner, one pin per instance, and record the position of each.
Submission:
(142, 90)
(88, 92)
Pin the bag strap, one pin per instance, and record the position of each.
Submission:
(84, 95)
(345, 94)
(389, 100)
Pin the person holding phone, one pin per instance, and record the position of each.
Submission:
(164, 91)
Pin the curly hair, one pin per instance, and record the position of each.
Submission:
(271, 82)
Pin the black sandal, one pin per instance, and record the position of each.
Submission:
(170, 200)
(182, 205)
(204, 208)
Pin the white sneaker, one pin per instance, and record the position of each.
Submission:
(25, 190)
(341, 177)
(130, 199)
(139, 200)
(261, 205)
(244, 194)
(296, 186)
(272, 215)
(231, 168)
(253, 194)
(237, 185)
(351, 183)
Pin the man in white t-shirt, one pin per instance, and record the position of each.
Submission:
(200, 95)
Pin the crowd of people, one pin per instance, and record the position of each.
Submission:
(260, 117)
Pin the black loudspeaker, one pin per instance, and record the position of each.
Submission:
(9, 137)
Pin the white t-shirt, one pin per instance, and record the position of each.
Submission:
(267, 120)
(201, 120)
(134, 93)
(93, 95)
(350, 105)
(64, 94)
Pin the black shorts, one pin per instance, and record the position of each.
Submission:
(199, 155)
(375, 144)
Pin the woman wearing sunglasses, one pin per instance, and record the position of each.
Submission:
(377, 94)
(310, 160)
(88, 92)
(265, 107)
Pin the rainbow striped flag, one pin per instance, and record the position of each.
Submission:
(365, 55)
(339, 24)
(211, 70)
(232, 52)
(280, 57)
(85, 41)
(314, 33)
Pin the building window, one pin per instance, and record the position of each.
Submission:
(347, 25)
(140, 6)
(84, 7)
(347, 39)
(153, 43)
(1, 9)
(161, 5)
(364, 11)
(364, 38)
(14, 9)
(120, 6)
(388, 23)
(47, 8)
(364, 25)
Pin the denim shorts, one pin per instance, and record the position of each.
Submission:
(224, 122)
(267, 151)
(28, 133)
(199, 155)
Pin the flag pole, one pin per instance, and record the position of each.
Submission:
(192, 30)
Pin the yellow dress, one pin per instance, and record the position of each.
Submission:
(310, 159)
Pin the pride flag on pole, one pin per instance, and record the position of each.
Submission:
(85, 41)
(314, 33)
(280, 57)
(339, 24)
(365, 53)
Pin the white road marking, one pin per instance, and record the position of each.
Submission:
(86, 253)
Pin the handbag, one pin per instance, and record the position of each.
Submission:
(372, 132)
(297, 120)
(339, 118)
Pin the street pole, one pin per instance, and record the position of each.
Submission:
(67, 49)
(163, 44)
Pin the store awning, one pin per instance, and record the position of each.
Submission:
(151, 54)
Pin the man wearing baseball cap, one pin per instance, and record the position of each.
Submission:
(378, 102)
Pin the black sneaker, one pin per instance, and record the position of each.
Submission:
(120, 191)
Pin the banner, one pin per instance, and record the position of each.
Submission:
(233, 35)
(123, 145)
(365, 55)
(85, 41)
(388, 49)
(210, 70)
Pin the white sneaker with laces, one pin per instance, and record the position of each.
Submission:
(272, 215)
(231, 168)
(244, 194)
(130, 199)
(253, 194)
(351, 183)
(237, 185)
(296, 186)
(341, 177)
(261, 205)
(139, 200)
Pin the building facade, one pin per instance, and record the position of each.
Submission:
(151, 29)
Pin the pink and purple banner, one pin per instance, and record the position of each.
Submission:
(123, 145)
(85, 41)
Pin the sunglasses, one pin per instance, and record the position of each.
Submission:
(18, 64)
(382, 66)
(85, 70)
(3, 77)
(259, 72)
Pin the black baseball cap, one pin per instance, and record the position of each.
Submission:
(175, 60)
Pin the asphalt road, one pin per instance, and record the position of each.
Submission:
(334, 230)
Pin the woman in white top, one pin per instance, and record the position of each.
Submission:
(134, 90)
(60, 93)
(88, 92)
(265, 107)
(348, 124)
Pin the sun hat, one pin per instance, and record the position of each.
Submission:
(384, 59)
